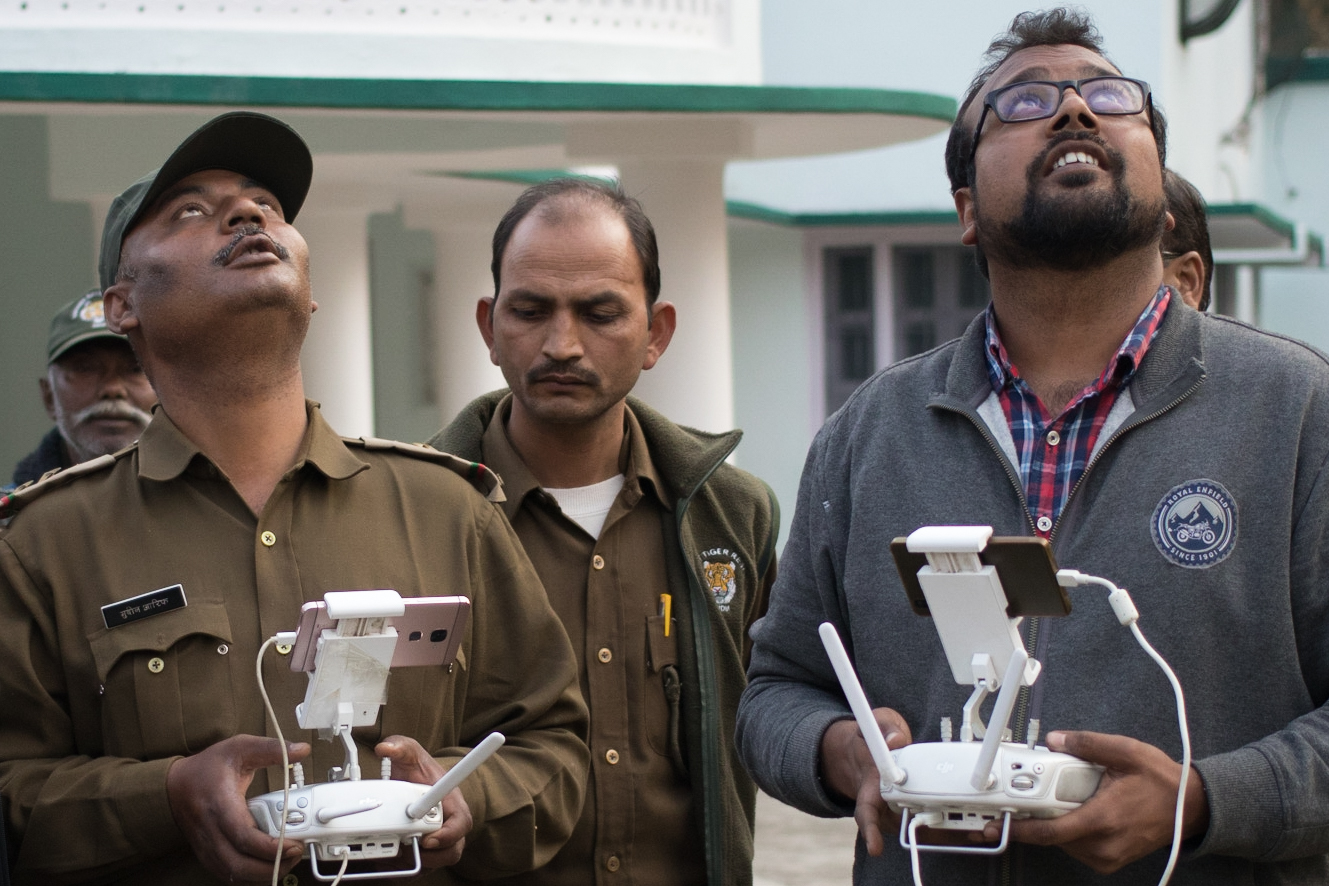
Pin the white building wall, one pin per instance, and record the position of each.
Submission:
(1206, 89)
(773, 395)
(1292, 181)
(337, 360)
(625, 41)
(930, 47)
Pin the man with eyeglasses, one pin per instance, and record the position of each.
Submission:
(1179, 454)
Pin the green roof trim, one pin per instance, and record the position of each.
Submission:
(740, 209)
(464, 95)
(756, 212)
(1264, 216)
(1295, 69)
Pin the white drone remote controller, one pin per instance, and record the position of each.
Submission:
(365, 819)
(347, 644)
(964, 785)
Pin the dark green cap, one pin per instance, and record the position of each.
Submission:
(255, 145)
(79, 321)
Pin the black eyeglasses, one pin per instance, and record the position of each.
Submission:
(1041, 99)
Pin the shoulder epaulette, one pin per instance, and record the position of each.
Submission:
(11, 502)
(481, 477)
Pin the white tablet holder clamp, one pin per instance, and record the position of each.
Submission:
(965, 785)
(347, 818)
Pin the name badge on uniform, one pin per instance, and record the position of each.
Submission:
(143, 606)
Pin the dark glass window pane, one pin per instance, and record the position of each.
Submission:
(918, 278)
(855, 354)
(855, 282)
(919, 337)
(973, 288)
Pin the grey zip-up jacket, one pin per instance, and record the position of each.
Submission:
(1209, 502)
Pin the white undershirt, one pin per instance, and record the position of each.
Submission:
(587, 506)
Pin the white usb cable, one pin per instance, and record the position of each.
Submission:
(283, 637)
(1128, 615)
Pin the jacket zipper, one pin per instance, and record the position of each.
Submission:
(1126, 426)
(712, 817)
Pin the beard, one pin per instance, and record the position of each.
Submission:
(85, 442)
(1072, 229)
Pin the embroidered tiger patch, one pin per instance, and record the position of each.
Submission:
(720, 568)
(720, 579)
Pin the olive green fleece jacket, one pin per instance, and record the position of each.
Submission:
(717, 511)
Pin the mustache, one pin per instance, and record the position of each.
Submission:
(562, 367)
(224, 254)
(121, 410)
(1077, 135)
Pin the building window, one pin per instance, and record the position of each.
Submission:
(1298, 41)
(851, 351)
(938, 290)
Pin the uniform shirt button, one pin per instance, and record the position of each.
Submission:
(290, 880)
(1044, 524)
(268, 538)
(156, 665)
(612, 863)
(611, 756)
(598, 562)
(284, 648)
(1053, 438)
(605, 655)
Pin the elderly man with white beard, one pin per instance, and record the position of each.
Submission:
(94, 390)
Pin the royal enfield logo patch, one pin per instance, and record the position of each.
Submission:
(720, 567)
(1195, 525)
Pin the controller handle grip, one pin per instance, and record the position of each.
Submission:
(858, 703)
(455, 776)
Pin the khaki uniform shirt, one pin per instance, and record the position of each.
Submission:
(94, 715)
(638, 824)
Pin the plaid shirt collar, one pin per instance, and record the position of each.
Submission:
(1119, 370)
(1052, 452)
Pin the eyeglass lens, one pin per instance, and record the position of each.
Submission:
(1037, 99)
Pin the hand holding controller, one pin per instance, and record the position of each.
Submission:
(956, 575)
(365, 819)
(937, 778)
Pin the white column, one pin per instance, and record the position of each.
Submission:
(337, 361)
(461, 278)
(693, 383)
(1244, 300)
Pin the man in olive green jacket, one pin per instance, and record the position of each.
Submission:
(656, 554)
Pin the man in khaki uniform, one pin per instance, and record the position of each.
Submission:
(655, 553)
(129, 744)
(94, 390)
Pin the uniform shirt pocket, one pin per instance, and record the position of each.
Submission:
(166, 682)
(661, 698)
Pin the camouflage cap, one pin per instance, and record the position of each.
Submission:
(256, 145)
(79, 321)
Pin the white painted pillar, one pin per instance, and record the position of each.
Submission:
(693, 383)
(461, 278)
(337, 361)
(1244, 301)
